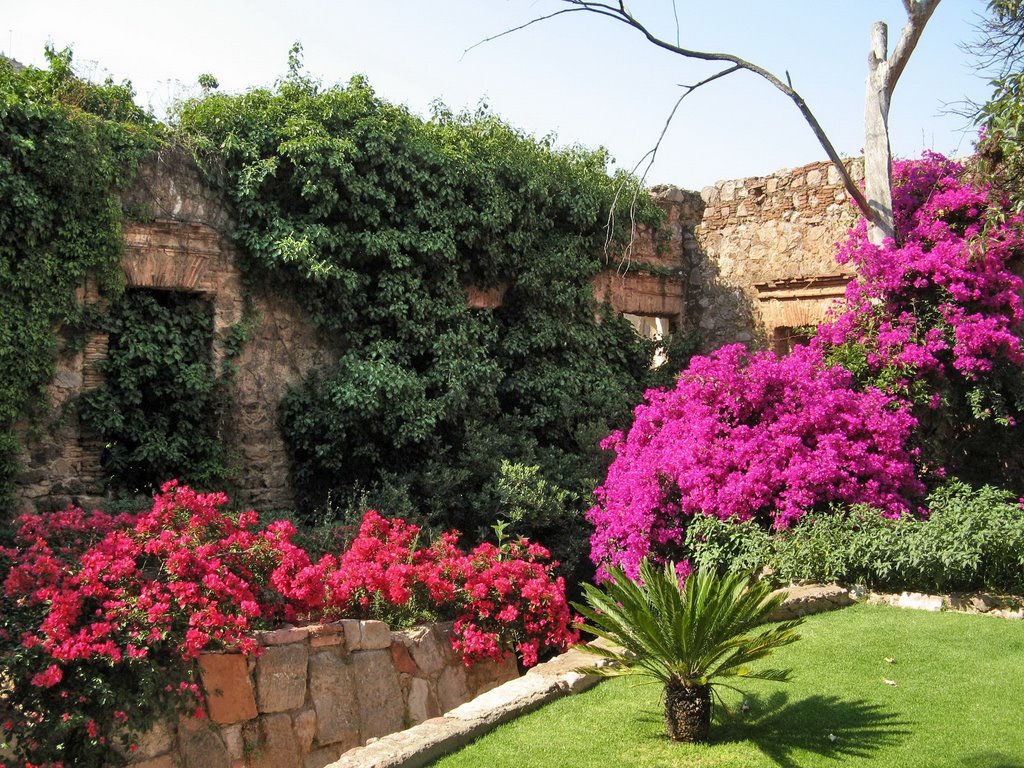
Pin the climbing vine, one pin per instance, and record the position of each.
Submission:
(378, 222)
(160, 408)
(66, 147)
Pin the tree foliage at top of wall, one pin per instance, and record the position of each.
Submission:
(378, 221)
(66, 147)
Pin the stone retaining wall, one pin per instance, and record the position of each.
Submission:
(315, 692)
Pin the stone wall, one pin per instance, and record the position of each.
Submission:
(315, 692)
(767, 253)
(180, 242)
(746, 260)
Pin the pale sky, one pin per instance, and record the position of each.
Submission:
(586, 79)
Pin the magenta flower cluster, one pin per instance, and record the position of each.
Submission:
(944, 302)
(749, 435)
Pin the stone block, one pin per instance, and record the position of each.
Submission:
(281, 678)
(155, 741)
(333, 693)
(322, 758)
(200, 745)
(427, 650)
(452, 687)
(304, 723)
(920, 601)
(283, 636)
(232, 738)
(277, 746)
(402, 659)
(381, 706)
(163, 761)
(353, 639)
(228, 687)
(374, 635)
(422, 704)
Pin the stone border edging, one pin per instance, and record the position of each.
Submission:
(430, 740)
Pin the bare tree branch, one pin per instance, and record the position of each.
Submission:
(621, 14)
(650, 157)
(918, 13)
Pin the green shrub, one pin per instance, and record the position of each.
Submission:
(727, 545)
(972, 539)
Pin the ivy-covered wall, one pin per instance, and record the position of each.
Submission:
(180, 240)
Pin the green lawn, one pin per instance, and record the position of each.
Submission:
(958, 701)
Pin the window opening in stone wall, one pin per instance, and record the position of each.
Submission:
(652, 328)
(160, 406)
(785, 337)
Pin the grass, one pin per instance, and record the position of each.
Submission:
(958, 702)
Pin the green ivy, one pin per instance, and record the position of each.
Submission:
(161, 405)
(377, 221)
(66, 148)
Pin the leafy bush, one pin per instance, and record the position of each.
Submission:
(159, 408)
(102, 616)
(378, 221)
(749, 436)
(971, 539)
(66, 148)
(720, 546)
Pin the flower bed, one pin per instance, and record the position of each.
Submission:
(104, 617)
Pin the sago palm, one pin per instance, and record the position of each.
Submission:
(690, 636)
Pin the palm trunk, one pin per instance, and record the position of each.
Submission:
(688, 712)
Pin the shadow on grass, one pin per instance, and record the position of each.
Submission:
(824, 726)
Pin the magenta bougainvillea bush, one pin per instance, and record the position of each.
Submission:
(916, 375)
(100, 615)
(749, 435)
(937, 319)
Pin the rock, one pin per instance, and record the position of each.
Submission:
(452, 687)
(277, 747)
(200, 745)
(920, 601)
(374, 635)
(281, 678)
(333, 693)
(381, 707)
(427, 651)
(304, 723)
(422, 703)
(229, 692)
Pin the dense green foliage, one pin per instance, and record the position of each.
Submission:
(972, 539)
(66, 147)
(377, 222)
(160, 407)
(955, 703)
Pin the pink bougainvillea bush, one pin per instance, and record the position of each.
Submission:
(918, 374)
(937, 317)
(101, 616)
(746, 436)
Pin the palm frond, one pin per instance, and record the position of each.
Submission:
(711, 627)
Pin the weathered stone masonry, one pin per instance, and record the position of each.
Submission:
(315, 692)
(744, 260)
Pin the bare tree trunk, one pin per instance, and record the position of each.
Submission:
(883, 72)
(877, 152)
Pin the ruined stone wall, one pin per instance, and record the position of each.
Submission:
(766, 253)
(181, 242)
(745, 260)
(315, 692)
